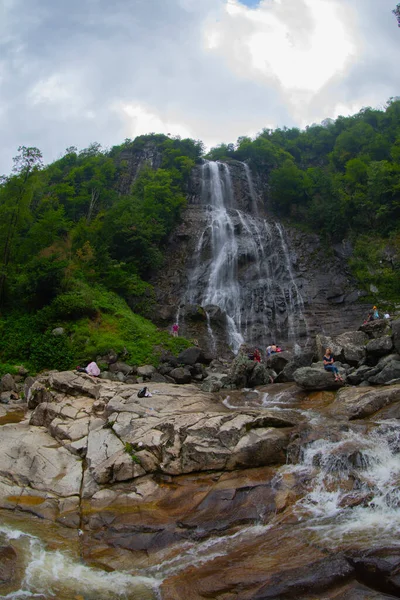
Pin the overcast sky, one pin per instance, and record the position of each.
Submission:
(103, 70)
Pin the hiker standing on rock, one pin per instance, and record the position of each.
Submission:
(175, 329)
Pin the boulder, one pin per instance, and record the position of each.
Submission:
(211, 384)
(278, 361)
(122, 368)
(310, 378)
(158, 378)
(353, 346)
(74, 384)
(146, 371)
(359, 375)
(38, 393)
(380, 346)
(240, 371)
(389, 372)
(376, 329)
(348, 347)
(181, 375)
(361, 402)
(191, 356)
(58, 331)
(8, 383)
(304, 359)
(260, 375)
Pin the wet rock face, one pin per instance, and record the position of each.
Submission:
(285, 289)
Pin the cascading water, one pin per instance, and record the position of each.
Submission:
(242, 265)
(354, 497)
(53, 574)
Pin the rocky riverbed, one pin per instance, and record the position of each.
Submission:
(275, 492)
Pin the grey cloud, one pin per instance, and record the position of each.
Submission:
(97, 54)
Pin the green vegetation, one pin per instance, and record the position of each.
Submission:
(130, 449)
(81, 238)
(78, 243)
(340, 179)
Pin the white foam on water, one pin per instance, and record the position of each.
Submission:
(54, 574)
(355, 495)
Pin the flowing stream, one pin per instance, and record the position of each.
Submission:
(350, 499)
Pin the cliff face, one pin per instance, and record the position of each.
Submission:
(234, 274)
(276, 282)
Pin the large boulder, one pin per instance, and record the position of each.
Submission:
(304, 359)
(191, 356)
(74, 384)
(376, 329)
(353, 346)
(240, 371)
(146, 371)
(181, 375)
(8, 383)
(309, 378)
(38, 392)
(380, 346)
(278, 361)
(358, 403)
(260, 375)
(347, 347)
(390, 372)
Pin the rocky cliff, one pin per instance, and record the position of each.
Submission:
(289, 286)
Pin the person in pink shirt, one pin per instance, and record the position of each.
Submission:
(175, 329)
(92, 369)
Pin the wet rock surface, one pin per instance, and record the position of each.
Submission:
(220, 493)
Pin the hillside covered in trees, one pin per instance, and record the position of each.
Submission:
(78, 248)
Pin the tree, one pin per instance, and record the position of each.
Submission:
(15, 199)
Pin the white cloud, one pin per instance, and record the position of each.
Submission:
(93, 70)
(140, 120)
(265, 43)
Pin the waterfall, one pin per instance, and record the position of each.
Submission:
(222, 281)
(252, 191)
(241, 264)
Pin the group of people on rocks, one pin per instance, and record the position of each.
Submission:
(255, 354)
(374, 314)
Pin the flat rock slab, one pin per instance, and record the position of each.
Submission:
(30, 457)
(358, 403)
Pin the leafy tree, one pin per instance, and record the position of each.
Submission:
(15, 198)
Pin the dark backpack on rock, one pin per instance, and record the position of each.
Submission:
(142, 393)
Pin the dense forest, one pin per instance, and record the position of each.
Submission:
(78, 248)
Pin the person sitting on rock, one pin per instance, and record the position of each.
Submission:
(257, 355)
(376, 313)
(330, 366)
(274, 349)
(92, 369)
